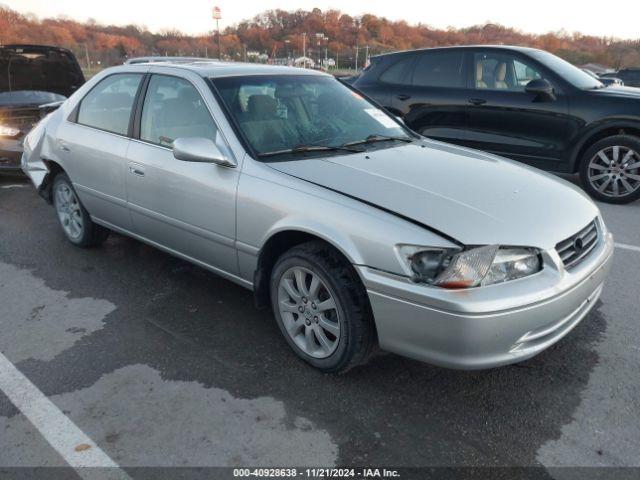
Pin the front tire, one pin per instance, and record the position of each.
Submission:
(74, 219)
(610, 169)
(322, 308)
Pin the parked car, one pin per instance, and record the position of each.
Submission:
(606, 81)
(355, 230)
(34, 80)
(521, 103)
(630, 76)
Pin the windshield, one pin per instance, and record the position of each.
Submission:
(569, 72)
(305, 114)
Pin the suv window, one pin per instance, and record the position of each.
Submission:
(173, 109)
(439, 69)
(501, 71)
(396, 73)
(108, 105)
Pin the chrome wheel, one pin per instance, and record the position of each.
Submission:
(615, 171)
(69, 212)
(309, 312)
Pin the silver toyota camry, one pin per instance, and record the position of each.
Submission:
(357, 232)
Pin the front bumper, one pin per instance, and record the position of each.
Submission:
(10, 155)
(489, 326)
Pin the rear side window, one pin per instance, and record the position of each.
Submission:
(439, 69)
(108, 105)
(172, 109)
(397, 72)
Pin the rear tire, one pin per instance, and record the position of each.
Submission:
(610, 169)
(322, 308)
(74, 219)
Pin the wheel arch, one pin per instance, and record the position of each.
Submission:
(45, 188)
(604, 130)
(282, 240)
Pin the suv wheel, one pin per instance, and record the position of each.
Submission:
(322, 308)
(74, 218)
(610, 169)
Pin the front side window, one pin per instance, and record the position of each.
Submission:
(439, 69)
(108, 105)
(173, 109)
(500, 71)
(288, 113)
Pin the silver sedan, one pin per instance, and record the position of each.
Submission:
(357, 232)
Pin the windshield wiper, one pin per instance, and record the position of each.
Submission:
(310, 148)
(378, 138)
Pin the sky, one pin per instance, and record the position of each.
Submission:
(617, 19)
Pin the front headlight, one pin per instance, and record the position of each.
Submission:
(470, 268)
(6, 131)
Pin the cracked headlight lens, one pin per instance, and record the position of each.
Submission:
(489, 265)
(475, 267)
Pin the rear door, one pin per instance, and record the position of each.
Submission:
(504, 119)
(93, 146)
(186, 207)
(433, 95)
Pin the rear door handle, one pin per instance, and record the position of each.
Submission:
(136, 169)
(477, 101)
(403, 96)
(63, 146)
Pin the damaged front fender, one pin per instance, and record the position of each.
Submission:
(36, 157)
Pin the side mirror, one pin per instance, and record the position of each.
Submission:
(200, 150)
(541, 88)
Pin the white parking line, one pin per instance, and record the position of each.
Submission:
(626, 246)
(75, 447)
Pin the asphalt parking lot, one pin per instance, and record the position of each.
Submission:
(156, 362)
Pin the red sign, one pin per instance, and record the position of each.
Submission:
(216, 13)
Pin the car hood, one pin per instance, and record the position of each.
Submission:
(618, 91)
(473, 197)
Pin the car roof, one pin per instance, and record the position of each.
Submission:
(515, 48)
(217, 68)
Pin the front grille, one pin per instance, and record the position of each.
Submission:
(19, 118)
(575, 248)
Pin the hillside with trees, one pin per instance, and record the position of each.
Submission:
(282, 34)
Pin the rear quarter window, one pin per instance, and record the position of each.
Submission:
(398, 71)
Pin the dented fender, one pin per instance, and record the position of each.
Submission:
(39, 150)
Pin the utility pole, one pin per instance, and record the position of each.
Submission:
(86, 53)
(357, 50)
(366, 55)
(304, 50)
(217, 15)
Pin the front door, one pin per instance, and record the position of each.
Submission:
(504, 119)
(186, 207)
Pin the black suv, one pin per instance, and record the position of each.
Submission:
(517, 102)
(34, 80)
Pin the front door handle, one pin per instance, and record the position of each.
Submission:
(136, 169)
(403, 96)
(477, 101)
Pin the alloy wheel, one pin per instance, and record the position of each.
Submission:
(615, 171)
(309, 312)
(69, 212)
